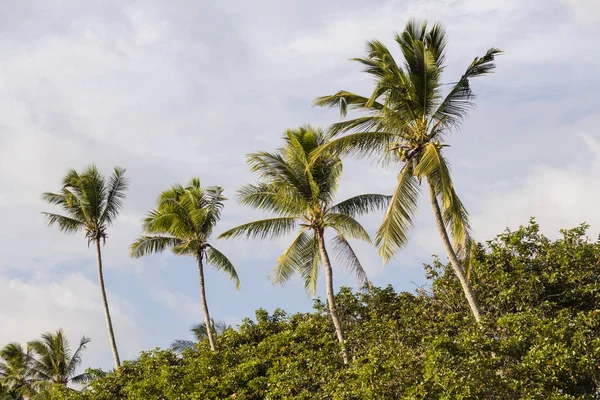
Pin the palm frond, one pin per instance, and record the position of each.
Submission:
(146, 245)
(347, 257)
(179, 345)
(222, 263)
(65, 224)
(435, 168)
(399, 217)
(345, 100)
(75, 360)
(266, 228)
(361, 144)
(362, 204)
(294, 258)
(457, 103)
(347, 226)
(115, 195)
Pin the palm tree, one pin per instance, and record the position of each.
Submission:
(53, 363)
(16, 374)
(302, 196)
(183, 221)
(200, 333)
(91, 203)
(406, 119)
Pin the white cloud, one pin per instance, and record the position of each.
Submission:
(71, 302)
(585, 11)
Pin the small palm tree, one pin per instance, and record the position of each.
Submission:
(53, 363)
(303, 195)
(91, 203)
(16, 374)
(406, 119)
(183, 221)
(200, 333)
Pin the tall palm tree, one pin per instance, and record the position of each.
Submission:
(183, 221)
(405, 120)
(91, 203)
(53, 363)
(302, 196)
(16, 373)
(200, 333)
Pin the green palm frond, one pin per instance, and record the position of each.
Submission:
(347, 226)
(280, 199)
(345, 100)
(296, 257)
(362, 204)
(222, 263)
(75, 360)
(435, 168)
(146, 245)
(266, 228)
(361, 144)
(399, 217)
(348, 259)
(65, 224)
(115, 195)
(457, 103)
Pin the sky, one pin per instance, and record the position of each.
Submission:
(173, 90)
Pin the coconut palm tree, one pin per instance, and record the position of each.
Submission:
(16, 374)
(302, 196)
(91, 203)
(200, 333)
(406, 119)
(183, 221)
(53, 363)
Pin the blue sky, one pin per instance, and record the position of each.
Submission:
(172, 90)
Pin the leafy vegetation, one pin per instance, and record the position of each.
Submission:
(539, 338)
(45, 368)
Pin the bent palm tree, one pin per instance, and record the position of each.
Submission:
(303, 196)
(183, 221)
(407, 117)
(53, 363)
(92, 204)
(16, 374)
(200, 333)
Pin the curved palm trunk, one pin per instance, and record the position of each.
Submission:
(111, 333)
(458, 269)
(209, 332)
(330, 299)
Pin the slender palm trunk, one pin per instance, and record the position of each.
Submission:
(111, 333)
(209, 332)
(330, 299)
(458, 269)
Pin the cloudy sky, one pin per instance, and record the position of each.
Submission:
(177, 89)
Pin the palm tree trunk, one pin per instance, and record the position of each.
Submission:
(209, 332)
(111, 333)
(458, 269)
(330, 299)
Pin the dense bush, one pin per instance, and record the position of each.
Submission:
(540, 338)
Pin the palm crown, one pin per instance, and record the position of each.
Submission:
(183, 222)
(303, 195)
(54, 362)
(407, 117)
(16, 372)
(91, 202)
